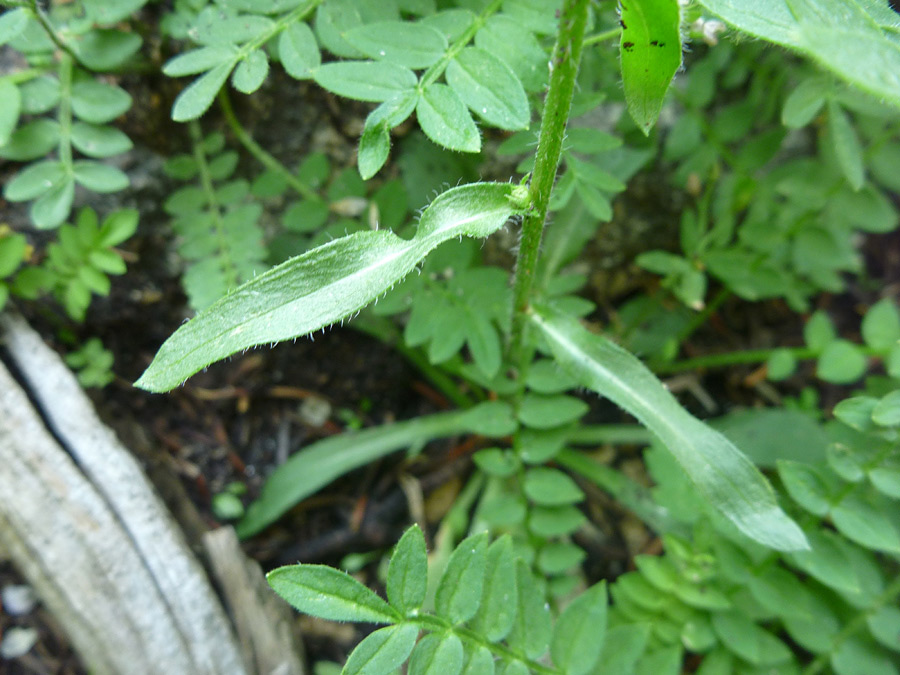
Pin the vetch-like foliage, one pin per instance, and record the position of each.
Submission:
(488, 609)
(778, 167)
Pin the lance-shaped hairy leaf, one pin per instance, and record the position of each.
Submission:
(726, 478)
(324, 285)
(650, 49)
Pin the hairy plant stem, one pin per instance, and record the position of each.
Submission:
(231, 277)
(743, 357)
(259, 152)
(564, 62)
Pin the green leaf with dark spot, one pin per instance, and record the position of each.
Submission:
(650, 50)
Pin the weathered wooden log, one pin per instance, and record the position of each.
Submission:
(263, 621)
(85, 526)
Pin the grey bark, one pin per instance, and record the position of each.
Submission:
(85, 526)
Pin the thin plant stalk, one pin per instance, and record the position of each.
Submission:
(564, 62)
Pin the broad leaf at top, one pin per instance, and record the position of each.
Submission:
(650, 50)
(857, 45)
(725, 477)
(322, 286)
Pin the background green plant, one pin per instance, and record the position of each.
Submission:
(781, 161)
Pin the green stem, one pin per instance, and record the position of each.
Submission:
(279, 25)
(255, 149)
(564, 62)
(44, 20)
(745, 356)
(215, 209)
(602, 37)
(64, 111)
(437, 69)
